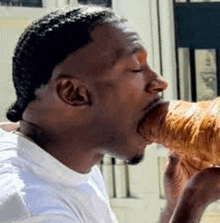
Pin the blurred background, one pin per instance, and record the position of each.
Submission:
(182, 38)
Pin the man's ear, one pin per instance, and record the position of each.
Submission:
(73, 91)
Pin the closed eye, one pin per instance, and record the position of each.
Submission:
(138, 70)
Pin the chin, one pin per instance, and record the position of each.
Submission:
(135, 159)
(138, 156)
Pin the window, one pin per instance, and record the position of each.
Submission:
(24, 3)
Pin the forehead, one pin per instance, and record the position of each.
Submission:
(116, 40)
(109, 44)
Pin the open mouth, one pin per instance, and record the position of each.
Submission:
(150, 109)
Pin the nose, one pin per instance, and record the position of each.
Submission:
(157, 84)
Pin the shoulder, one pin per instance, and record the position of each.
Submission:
(28, 193)
(32, 199)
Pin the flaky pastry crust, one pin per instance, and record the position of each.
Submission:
(191, 129)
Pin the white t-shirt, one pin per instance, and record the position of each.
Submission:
(36, 187)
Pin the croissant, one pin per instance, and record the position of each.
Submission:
(191, 129)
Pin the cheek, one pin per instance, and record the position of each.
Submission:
(132, 92)
(138, 83)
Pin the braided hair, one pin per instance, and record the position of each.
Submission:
(46, 43)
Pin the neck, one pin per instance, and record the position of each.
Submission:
(35, 133)
(80, 158)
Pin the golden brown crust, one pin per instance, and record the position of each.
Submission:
(191, 129)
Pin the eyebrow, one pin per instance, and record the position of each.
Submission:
(121, 52)
(136, 48)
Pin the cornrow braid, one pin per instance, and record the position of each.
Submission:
(46, 43)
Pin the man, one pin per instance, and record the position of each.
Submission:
(83, 84)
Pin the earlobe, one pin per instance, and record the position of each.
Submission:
(73, 92)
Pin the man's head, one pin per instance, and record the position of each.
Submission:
(88, 84)
(46, 43)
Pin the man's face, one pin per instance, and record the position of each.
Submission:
(122, 87)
